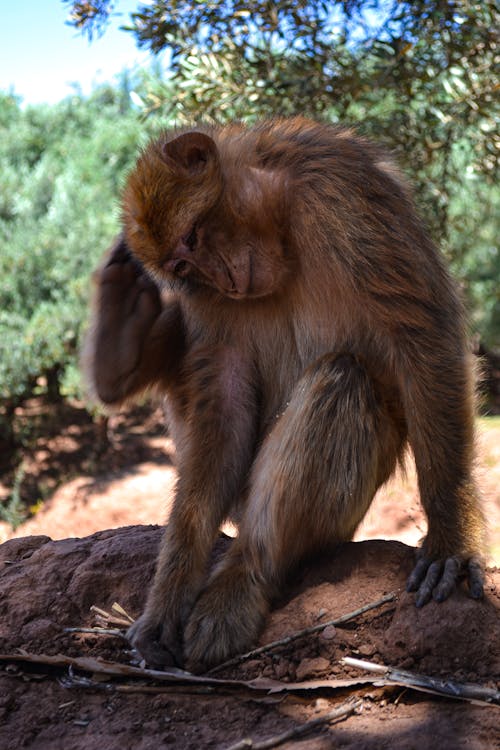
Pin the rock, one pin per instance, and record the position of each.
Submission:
(281, 670)
(46, 586)
(329, 633)
(367, 649)
(458, 632)
(312, 668)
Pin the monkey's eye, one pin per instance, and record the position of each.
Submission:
(191, 239)
(181, 269)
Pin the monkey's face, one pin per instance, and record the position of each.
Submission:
(190, 216)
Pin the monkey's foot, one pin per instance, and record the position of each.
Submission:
(155, 642)
(226, 620)
(128, 295)
(127, 306)
(437, 578)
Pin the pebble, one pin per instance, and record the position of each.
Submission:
(329, 633)
(366, 649)
(281, 670)
(253, 664)
(312, 668)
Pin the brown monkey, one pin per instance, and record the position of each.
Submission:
(306, 331)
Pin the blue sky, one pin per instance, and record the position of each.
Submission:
(40, 56)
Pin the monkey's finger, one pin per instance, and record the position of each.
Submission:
(119, 254)
(452, 568)
(427, 586)
(418, 574)
(115, 299)
(144, 307)
(146, 283)
(120, 287)
(117, 276)
(155, 653)
(476, 577)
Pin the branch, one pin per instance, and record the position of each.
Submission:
(427, 684)
(341, 712)
(98, 631)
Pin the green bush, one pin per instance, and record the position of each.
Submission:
(418, 76)
(61, 169)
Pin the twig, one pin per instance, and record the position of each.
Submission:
(341, 712)
(122, 612)
(427, 684)
(179, 678)
(96, 665)
(300, 633)
(77, 681)
(98, 631)
(123, 619)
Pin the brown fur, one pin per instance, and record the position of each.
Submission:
(307, 330)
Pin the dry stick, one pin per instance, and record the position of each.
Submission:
(341, 712)
(306, 631)
(122, 612)
(102, 666)
(435, 685)
(98, 631)
(125, 620)
(73, 681)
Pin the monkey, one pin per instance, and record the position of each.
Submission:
(275, 285)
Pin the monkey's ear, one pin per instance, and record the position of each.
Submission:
(190, 151)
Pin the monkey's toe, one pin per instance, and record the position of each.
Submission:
(437, 579)
(212, 638)
(148, 639)
(226, 620)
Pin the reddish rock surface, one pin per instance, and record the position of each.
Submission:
(46, 586)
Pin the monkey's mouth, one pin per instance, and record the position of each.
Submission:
(213, 271)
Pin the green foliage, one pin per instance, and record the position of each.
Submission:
(418, 75)
(61, 168)
(13, 510)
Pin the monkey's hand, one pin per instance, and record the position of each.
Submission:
(437, 577)
(127, 306)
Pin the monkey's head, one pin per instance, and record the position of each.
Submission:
(194, 212)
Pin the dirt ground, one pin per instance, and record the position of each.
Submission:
(46, 586)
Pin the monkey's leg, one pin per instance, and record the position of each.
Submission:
(311, 485)
(214, 434)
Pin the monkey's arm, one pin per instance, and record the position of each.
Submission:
(134, 342)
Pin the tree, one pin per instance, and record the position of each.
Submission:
(418, 75)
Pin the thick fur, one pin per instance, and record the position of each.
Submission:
(306, 331)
